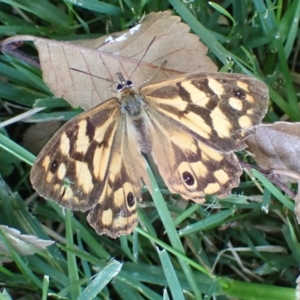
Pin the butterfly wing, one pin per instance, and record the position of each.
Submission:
(219, 109)
(196, 122)
(93, 163)
(188, 166)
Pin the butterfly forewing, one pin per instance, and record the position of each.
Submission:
(217, 108)
(66, 163)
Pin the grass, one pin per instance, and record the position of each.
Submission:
(229, 249)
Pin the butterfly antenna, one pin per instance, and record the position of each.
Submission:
(143, 56)
(110, 80)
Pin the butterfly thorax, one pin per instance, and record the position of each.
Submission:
(132, 106)
(131, 102)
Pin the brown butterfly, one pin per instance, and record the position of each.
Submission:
(191, 125)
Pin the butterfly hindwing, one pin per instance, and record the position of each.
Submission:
(188, 166)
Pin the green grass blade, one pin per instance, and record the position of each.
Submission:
(15, 149)
(101, 280)
(170, 274)
(171, 231)
(274, 191)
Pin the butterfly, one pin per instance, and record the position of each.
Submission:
(190, 125)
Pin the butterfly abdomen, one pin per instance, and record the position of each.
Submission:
(142, 134)
(132, 105)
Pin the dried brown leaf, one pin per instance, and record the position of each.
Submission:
(181, 51)
(38, 134)
(277, 146)
(297, 206)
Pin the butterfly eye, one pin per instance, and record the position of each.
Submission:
(188, 178)
(120, 87)
(130, 199)
(129, 83)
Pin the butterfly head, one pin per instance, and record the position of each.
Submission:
(123, 84)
